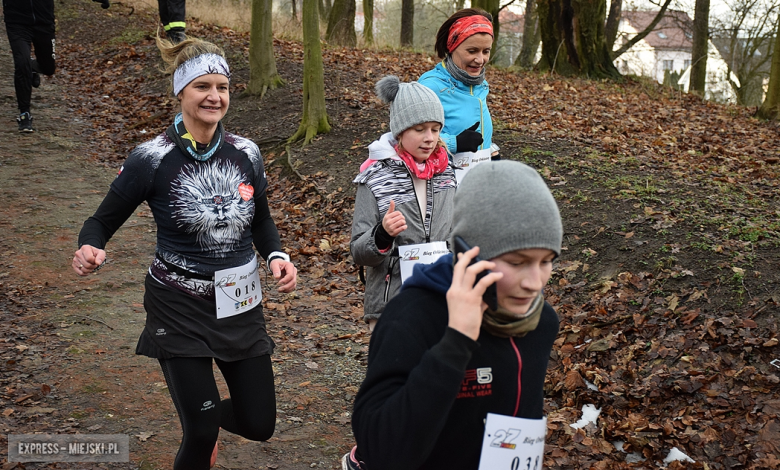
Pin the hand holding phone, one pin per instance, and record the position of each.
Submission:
(490, 297)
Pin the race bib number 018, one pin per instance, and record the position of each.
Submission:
(512, 443)
(237, 289)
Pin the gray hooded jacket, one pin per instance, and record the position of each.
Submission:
(388, 179)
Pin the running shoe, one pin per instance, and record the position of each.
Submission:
(350, 462)
(25, 122)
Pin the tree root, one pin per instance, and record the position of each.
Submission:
(292, 166)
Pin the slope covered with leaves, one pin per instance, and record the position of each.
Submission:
(668, 289)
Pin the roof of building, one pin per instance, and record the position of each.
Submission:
(511, 22)
(674, 31)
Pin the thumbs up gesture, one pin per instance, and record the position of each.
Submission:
(393, 222)
(469, 140)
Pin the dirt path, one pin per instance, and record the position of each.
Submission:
(69, 343)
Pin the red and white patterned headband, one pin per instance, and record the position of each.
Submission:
(466, 27)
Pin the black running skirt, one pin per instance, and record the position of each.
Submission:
(180, 325)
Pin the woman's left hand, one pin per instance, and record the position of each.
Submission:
(285, 273)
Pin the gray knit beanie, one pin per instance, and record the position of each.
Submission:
(410, 103)
(503, 206)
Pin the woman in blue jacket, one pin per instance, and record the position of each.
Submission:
(464, 42)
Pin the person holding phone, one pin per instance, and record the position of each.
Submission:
(405, 190)
(441, 360)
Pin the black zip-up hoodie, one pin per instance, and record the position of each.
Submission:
(29, 12)
(429, 388)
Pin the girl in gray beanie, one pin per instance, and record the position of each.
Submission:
(405, 190)
(440, 360)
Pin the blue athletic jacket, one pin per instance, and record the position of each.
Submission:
(463, 106)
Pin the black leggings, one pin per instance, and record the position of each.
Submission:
(21, 39)
(250, 411)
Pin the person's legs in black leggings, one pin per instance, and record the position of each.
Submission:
(20, 40)
(250, 411)
(43, 41)
(196, 397)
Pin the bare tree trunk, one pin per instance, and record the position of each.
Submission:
(573, 38)
(770, 109)
(294, 10)
(701, 36)
(315, 117)
(531, 36)
(262, 65)
(368, 22)
(341, 23)
(407, 23)
(479, 4)
(613, 22)
(493, 7)
(324, 7)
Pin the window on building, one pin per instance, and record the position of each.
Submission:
(668, 65)
(686, 64)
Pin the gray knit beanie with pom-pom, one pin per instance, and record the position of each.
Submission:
(410, 103)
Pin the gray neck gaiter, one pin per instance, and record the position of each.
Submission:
(461, 75)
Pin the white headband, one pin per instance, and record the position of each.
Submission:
(198, 66)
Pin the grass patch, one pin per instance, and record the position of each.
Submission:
(130, 35)
(93, 388)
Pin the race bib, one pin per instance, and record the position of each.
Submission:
(465, 161)
(512, 443)
(237, 289)
(423, 253)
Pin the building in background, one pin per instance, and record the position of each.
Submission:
(665, 53)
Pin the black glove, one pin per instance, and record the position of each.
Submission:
(469, 140)
(103, 3)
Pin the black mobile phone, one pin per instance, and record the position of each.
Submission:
(490, 296)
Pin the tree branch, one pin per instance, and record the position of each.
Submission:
(510, 2)
(644, 33)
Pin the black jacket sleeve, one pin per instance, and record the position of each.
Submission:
(110, 215)
(264, 232)
(413, 378)
(382, 239)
